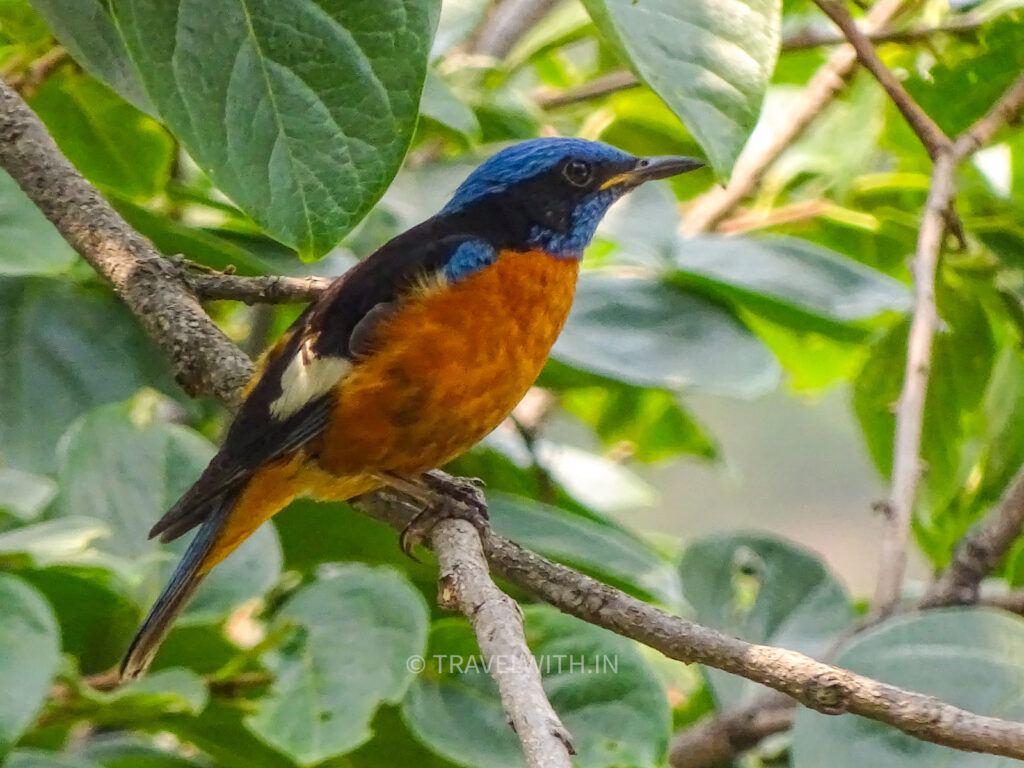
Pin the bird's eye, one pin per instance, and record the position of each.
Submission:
(578, 172)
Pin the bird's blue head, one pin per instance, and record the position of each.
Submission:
(551, 193)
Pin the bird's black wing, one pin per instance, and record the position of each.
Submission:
(290, 403)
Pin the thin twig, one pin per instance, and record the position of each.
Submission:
(980, 551)
(465, 585)
(117, 253)
(906, 472)
(507, 23)
(934, 140)
(906, 466)
(800, 40)
(274, 289)
(710, 208)
(720, 739)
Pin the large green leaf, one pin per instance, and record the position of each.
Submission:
(711, 62)
(606, 695)
(125, 468)
(63, 349)
(300, 111)
(790, 272)
(591, 543)
(972, 658)
(356, 629)
(763, 590)
(29, 653)
(644, 332)
(113, 144)
(29, 245)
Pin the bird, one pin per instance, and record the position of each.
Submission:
(406, 360)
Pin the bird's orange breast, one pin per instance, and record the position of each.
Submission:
(449, 367)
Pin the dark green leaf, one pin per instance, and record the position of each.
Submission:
(87, 30)
(63, 349)
(29, 245)
(971, 658)
(646, 333)
(129, 753)
(356, 629)
(711, 63)
(301, 112)
(113, 144)
(604, 692)
(763, 590)
(29, 653)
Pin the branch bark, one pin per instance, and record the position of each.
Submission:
(119, 254)
(934, 140)
(275, 289)
(719, 740)
(466, 585)
(507, 23)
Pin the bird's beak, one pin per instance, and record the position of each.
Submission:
(651, 168)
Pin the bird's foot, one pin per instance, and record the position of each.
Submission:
(443, 497)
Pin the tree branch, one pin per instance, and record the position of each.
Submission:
(275, 289)
(507, 23)
(934, 140)
(120, 254)
(720, 739)
(205, 360)
(710, 208)
(466, 585)
(906, 472)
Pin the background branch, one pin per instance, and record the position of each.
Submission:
(465, 585)
(720, 739)
(507, 23)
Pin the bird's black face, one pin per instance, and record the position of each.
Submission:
(552, 193)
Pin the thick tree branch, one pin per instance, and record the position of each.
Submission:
(205, 360)
(119, 254)
(466, 585)
(710, 208)
(934, 140)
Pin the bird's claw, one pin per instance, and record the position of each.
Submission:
(454, 498)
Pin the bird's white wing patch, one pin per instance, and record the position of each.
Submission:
(306, 378)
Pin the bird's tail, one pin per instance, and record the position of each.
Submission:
(183, 583)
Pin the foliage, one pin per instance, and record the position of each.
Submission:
(262, 135)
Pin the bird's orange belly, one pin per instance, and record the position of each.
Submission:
(449, 367)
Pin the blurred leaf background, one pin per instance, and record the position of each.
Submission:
(294, 137)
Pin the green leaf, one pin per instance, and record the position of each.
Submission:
(29, 654)
(63, 349)
(710, 62)
(592, 543)
(29, 245)
(87, 30)
(441, 104)
(169, 691)
(300, 111)
(126, 468)
(24, 495)
(356, 629)
(971, 658)
(643, 332)
(604, 692)
(67, 540)
(220, 734)
(763, 590)
(95, 617)
(791, 272)
(109, 141)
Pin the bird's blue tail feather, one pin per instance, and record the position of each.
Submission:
(183, 583)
